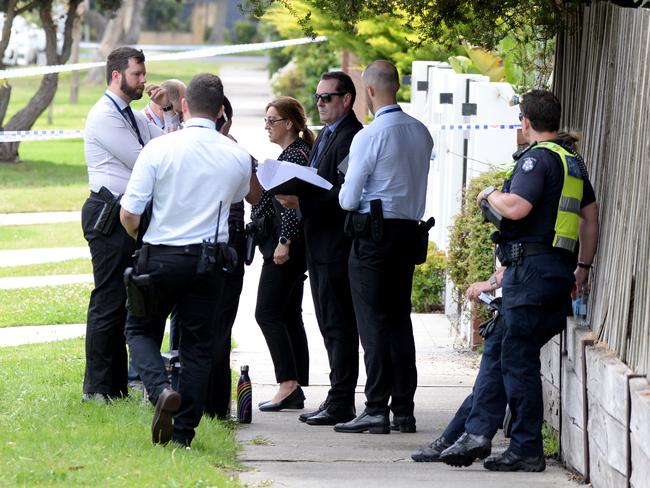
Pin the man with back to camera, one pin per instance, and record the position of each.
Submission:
(328, 248)
(385, 188)
(114, 137)
(549, 212)
(192, 177)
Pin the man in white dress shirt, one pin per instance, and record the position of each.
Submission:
(114, 137)
(192, 176)
(388, 165)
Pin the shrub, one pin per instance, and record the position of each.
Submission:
(428, 294)
(471, 251)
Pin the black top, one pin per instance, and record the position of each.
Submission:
(538, 178)
(321, 212)
(285, 222)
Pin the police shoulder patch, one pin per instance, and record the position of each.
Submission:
(528, 164)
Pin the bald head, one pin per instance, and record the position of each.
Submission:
(382, 76)
(175, 91)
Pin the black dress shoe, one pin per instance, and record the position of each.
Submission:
(375, 424)
(466, 449)
(332, 416)
(304, 416)
(294, 400)
(403, 423)
(431, 453)
(168, 403)
(509, 461)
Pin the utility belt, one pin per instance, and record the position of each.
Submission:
(370, 225)
(513, 253)
(109, 216)
(140, 288)
(373, 224)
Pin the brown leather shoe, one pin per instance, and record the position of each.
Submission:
(168, 403)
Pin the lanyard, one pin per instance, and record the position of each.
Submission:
(394, 109)
(132, 123)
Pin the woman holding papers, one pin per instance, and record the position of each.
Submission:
(279, 236)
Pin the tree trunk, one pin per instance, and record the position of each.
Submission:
(24, 119)
(122, 29)
(74, 57)
(217, 35)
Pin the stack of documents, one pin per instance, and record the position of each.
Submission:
(284, 178)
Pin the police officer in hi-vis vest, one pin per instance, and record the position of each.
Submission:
(545, 213)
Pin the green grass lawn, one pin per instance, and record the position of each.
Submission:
(70, 266)
(64, 234)
(50, 438)
(65, 304)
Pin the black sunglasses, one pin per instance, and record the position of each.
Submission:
(326, 97)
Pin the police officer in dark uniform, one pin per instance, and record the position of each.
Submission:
(546, 212)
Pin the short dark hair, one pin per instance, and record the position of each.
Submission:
(344, 83)
(204, 95)
(227, 111)
(543, 109)
(118, 60)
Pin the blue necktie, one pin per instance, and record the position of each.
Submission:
(131, 117)
(321, 144)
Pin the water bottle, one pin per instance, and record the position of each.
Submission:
(244, 397)
(580, 307)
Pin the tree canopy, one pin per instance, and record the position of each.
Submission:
(480, 22)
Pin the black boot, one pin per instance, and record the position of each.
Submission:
(466, 449)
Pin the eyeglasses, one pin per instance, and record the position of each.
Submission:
(521, 116)
(326, 97)
(268, 121)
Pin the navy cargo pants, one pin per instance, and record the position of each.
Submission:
(536, 302)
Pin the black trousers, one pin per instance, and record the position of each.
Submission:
(195, 298)
(106, 357)
(217, 402)
(330, 288)
(381, 276)
(279, 315)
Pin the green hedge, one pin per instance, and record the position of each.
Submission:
(471, 251)
(428, 294)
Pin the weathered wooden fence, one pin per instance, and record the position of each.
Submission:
(602, 77)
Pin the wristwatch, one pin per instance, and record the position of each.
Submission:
(284, 241)
(488, 191)
(167, 108)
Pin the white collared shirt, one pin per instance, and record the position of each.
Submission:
(389, 160)
(111, 144)
(187, 173)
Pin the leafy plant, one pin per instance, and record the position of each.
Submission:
(428, 293)
(470, 253)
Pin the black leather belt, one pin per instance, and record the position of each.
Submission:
(164, 250)
(512, 253)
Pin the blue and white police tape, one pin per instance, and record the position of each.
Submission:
(454, 127)
(40, 135)
(44, 135)
(204, 52)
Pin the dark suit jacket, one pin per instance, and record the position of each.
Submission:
(321, 212)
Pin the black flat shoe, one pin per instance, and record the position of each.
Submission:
(375, 424)
(431, 453)
(294, 401)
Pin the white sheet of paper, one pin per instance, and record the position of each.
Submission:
(272, 173)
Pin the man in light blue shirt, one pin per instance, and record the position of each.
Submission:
(389, 163)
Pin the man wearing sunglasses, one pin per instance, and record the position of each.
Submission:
(328, 248)
(385, 191)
